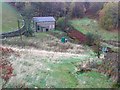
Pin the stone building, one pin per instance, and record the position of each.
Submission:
(43, 24)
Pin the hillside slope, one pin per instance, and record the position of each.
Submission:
(9, 17)
(39, 69)
(86, 25)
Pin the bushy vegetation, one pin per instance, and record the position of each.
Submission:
(109, 16)
(61, 22)
(94, 8)
(90, 39)
(95, 41)
(116, 85)
(61, 9)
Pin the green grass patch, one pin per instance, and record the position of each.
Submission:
(65, 76)
(86, 25)
(62, 76)
(9, 18)
(59, 75)
(38, 80)
(41, 35)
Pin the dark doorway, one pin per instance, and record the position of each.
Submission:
(38, 27)
(46, 30)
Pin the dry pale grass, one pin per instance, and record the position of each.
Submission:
(48, 43)
(31, 62)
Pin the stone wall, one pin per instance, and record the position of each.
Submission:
(13, 33)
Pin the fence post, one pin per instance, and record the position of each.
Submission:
(19, 30)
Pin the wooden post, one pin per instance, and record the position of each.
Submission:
(19, 30)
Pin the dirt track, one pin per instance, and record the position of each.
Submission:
(43, 53)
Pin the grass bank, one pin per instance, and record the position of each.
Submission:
(9, 18)
(86, 25)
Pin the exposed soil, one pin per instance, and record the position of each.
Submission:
(77, 36)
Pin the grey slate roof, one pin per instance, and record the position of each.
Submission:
(41, 19)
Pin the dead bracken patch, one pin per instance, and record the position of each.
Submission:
(6, 69)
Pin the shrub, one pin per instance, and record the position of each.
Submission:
(90, 39)
(94, 39)
(116, 85)
(29, 32)
(62, 22)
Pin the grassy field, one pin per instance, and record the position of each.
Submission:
(86, 25)
(37, 68)
(9, 18)
(34, 69)
(43, 61)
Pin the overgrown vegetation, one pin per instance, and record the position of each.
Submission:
(61, 23)
(46, 62)
(95, 41)
(61, 9)
(90, 39)
(40, 69)
(109, 16)
(27, 13)
(116, 85)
